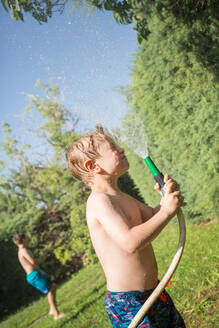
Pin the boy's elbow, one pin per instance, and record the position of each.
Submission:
(130, 249)
(132, 245)
(129, 246)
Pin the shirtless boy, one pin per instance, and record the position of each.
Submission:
(35, 276)
(122, 229)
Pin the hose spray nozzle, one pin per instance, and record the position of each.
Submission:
(158, 176)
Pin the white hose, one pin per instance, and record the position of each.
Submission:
(166, 278)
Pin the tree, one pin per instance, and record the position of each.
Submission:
(41, 10)
(174, 91)
(138, 12)
(135, 12)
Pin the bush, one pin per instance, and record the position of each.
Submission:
(175, 93)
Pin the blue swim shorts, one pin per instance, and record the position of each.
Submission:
(122, 307)
(39, 280)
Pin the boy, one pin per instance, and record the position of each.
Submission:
(35, 276)
(122, 229)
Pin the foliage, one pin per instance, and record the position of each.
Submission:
(37, 195)
(127, 185)
(136, 12)
(41, 10)
(174, 90)
(41, 198)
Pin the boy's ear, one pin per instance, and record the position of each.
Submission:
(90, 166)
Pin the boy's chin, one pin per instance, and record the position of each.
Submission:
(125, 168)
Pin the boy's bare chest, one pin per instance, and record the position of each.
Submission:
(130, 210)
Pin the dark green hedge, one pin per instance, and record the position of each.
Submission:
(175, 92)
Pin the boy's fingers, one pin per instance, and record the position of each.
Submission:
(157, 187)
(166, 177)
(176, 185)
(177, 193)
(167, 180)
(168, 189)
(180, 197)
(169, 186)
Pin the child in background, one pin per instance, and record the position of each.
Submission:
(35, 276)
(122, 229)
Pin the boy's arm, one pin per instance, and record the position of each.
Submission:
(29, 256)
(118, 228)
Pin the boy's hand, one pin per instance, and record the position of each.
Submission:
(173, 198)
(167, 180)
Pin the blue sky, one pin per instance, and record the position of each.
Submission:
(89, 58)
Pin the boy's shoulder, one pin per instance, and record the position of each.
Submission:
(24, 250)
(101, 202)
(96, 203)
(21, 252)
(105, 198)
(97, 198)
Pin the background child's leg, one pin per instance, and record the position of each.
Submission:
(52, 301)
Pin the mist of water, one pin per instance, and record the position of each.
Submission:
(131, 134)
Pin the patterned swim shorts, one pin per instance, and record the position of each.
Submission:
(123, 306)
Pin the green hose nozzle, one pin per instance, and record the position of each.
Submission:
(158, 176)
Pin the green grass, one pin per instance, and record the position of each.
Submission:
(193, 286)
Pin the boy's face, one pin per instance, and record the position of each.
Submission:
(24, 242)
(112, 160)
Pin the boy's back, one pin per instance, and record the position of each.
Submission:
(26, 260)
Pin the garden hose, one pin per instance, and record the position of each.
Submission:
(158, 176)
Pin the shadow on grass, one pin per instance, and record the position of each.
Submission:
(85, 305)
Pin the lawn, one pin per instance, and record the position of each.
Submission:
(193, 289)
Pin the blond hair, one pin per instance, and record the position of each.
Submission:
(87, 147)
